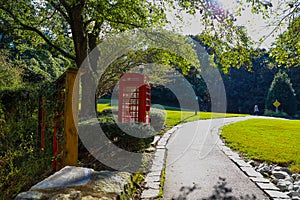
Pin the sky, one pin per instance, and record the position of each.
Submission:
(256, 26)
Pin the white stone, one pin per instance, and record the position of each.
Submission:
(280, 174)
(296, 187)
(283, 185)
(297, 183)
(277, 168)
(66, 177)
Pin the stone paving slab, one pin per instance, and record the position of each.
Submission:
(234, 156)
(152, 179)
(259, 180)
(156, 138)
(153, 185)
(150, 194)
(267, 186)
(241, 163)
(251, 172)
(160, 147)
(276, 194)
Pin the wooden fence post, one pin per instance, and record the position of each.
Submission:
(70, 145)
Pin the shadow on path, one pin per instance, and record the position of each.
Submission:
(184, 120)
(221, 192)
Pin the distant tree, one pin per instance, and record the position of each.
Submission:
(281, 89)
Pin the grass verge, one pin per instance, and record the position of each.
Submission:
(175, 116)
(268, 140)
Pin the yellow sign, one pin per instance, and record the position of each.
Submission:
(276, 103)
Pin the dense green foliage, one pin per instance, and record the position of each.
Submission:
(267, 140)
(10, 75)
(22, 163)
(281, 90)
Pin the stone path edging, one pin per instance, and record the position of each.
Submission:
(264, 184)
(152, 179)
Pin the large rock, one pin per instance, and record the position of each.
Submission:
(264, 169)
(297, 183)
(287, 170)
(66, 177)
(280, 174)
(293, 194)
(283, 185)
(77, 183)
(110, 182)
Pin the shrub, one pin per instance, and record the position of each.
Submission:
(129, 136)
(274, 114)
(158, 118)
(297, 115)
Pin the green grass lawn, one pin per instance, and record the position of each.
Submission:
(103, 106)
(176, 116)
(269, 140)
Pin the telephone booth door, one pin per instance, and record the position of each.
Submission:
(134, 98)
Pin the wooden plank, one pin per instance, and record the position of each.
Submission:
(70, 147)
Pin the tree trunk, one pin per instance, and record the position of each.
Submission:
(81, 49)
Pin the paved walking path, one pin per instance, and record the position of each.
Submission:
(195, 160)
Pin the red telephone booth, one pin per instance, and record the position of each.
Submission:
(134, 98)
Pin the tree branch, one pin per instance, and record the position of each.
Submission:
(41, 34)
(59, 9)
(278, 25)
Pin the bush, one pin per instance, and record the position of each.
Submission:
(297, 115)
(274, 114)
(134, 137)
(158, 118)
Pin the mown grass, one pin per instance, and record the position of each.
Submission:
(176, 116)
(103, 106)
(268, 140)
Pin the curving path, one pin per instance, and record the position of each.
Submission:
(196, 167)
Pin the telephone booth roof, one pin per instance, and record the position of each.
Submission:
(135, 78)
